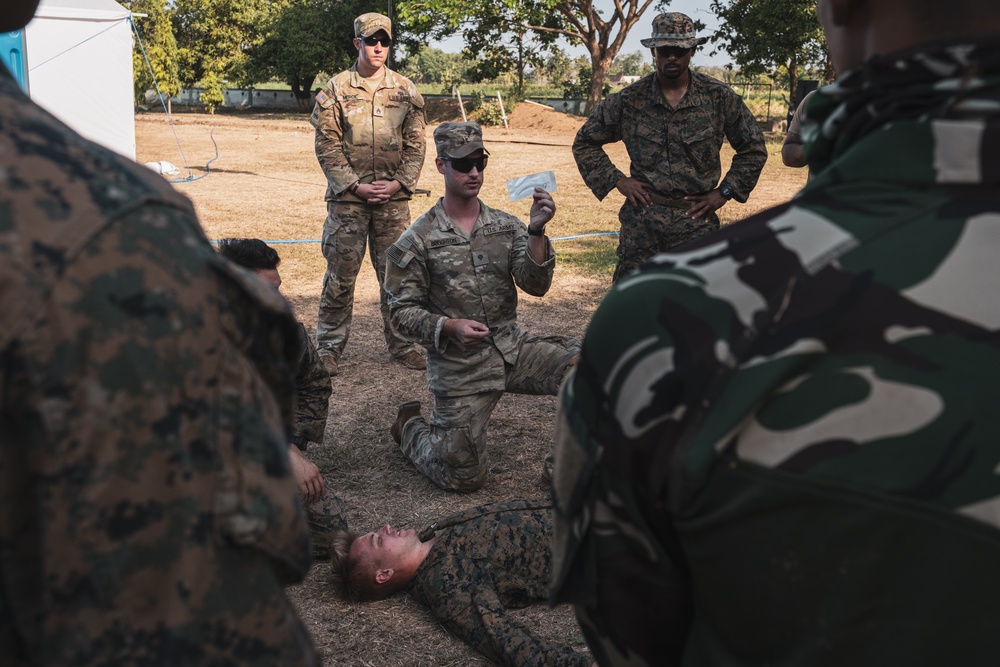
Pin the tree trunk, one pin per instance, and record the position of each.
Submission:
(793, 83)
(599, 72)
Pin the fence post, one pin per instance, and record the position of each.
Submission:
(458, 93)
(503, 114)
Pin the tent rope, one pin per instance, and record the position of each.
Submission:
(67, 50)
(170, 119)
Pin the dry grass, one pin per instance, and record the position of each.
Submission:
(266, 184)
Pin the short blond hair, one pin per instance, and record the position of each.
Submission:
(353, 579)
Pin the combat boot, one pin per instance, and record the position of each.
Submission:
(407, 411)
(329, 362)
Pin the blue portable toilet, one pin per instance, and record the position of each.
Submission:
(12, 54)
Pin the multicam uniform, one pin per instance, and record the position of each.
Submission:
(368, 136)
(674, 149)
(147, 511)
(485, 561)
(312, 404)
(436, 271)
(780, 446)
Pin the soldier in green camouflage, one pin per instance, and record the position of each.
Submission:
(452, 280)
(780, 444)
(469, 569)
(370, 144)
(325, 512)
(148, 515)
(672, 122)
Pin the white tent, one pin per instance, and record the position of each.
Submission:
(79, 56)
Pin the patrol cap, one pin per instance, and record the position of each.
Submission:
(368, 24)
(674, 29)
(458, 139)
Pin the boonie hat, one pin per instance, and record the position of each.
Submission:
(368, 24)
(673, 29)
(458, 139)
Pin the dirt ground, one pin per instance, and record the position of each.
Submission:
(265, 183)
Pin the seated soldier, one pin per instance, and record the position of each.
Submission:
(325, 511)
(469, 569)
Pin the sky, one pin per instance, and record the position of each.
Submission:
(699, 10)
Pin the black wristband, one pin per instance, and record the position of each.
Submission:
(299, 441)
(354, 188)
(532, 232)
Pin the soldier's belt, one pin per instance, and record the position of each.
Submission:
(660, 200)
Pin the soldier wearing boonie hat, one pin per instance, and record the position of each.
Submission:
(370, 144)
(674, 29)
(672, 123)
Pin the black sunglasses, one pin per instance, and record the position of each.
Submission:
(675, 51)
(465, 164)
(372, 41)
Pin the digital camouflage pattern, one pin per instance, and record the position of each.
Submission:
(435, 272)
(147, 511)
(312, 393)
(366, 136)
(676, 150)
(674, 29)
(312, 405)
(779, 446)
(485, 561)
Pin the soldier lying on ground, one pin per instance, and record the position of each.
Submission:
(469, 569)
(325, 511)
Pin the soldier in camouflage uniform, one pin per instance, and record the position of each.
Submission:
(469, 568)
(452, 280)
(672, 122)
(148, 515)
(780, 445)
(370, 143)
(325, 511)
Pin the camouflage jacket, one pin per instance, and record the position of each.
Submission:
(147, 508)
(312, 392)
(780, 444)
(485, 561)
(676, 150)
(436, 271)
(369, 137)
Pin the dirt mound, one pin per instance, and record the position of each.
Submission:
(530, 115)
(527, 115)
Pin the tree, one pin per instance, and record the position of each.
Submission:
(215, 37)
(430, 65)
(632, 64)
(577, 20)
(498, 37)
(303, 39)
(747, 31)
(157, 45)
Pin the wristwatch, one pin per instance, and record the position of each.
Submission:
(532, 232)
(726, 191)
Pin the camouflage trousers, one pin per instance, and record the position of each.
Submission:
(326, 517)
(348, 229)
(648, 231)
(450, 449)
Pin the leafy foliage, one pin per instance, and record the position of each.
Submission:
(157, 37)
(430, 65)
(305, 38)
(747, 31)
(216, 36)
